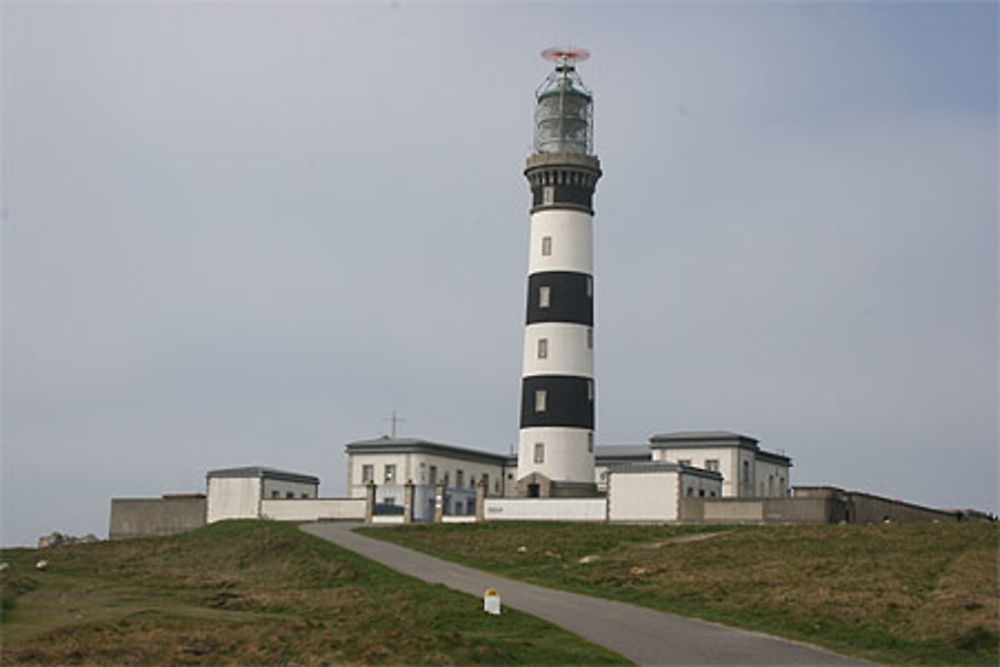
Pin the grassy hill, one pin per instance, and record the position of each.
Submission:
(911, 593)
(252, 593)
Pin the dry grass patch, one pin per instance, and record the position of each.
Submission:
(253, 593)
(894, 592)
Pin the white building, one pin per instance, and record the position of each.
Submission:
(747, 470)
(239, 493)
(744, 469)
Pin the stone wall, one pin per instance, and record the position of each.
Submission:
(149, 517)
(813, 504)
(760, 510)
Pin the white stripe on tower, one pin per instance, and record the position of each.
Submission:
(557, 385)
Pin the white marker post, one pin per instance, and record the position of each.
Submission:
(491, 602)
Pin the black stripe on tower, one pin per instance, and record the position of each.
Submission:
(570, 297)
(568, 401)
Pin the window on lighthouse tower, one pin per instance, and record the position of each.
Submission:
(546, 245)
(543, 348)
(541, 400)
(544, 296)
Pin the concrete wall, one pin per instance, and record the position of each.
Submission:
(648, 496)
(760, 510)
(809, 505)
(233, 498)
(315, 509)
(866, 508)
(148, 517)
(545, 509)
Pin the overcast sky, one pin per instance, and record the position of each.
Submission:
(242, 234)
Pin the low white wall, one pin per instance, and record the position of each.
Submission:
(387, 518)
(312, 509)
(649, 496)
(546, 509)
(458, 518)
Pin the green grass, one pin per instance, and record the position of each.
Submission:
(896, 593)
(247, 592)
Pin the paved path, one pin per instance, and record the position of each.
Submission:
(642, 635)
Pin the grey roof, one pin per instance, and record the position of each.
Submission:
(725, 436)
(774, 457)
(407, 445)
(262, 472)
(616, 452)
(663, 466)
(698, 439)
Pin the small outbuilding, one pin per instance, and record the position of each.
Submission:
(653, 491)
(237, 493)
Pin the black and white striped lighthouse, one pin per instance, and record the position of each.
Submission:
(556, 449)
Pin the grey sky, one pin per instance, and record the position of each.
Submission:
(242, 234)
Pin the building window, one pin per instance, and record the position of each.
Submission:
(690, 492)
(539, 452)
(367, 473)
(701, 493)
(486, 482)
(289, 495)
(544, 296)
(543, 348)
(546, 245)
(590, 338)
(305, 495)
(432, 477)
(711, 493)
(390, 473)
(459, 478)
(684, 462)
(275, 494)
(389, 500)
(548, 195)
(541, 400)
(446, 481)
(712, 464)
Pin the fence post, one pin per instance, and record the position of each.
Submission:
(482, 489)
(408, 502)
(369, 501)
(438, 503)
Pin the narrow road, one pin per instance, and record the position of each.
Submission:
(645, 636)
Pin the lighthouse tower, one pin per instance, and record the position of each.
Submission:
(556, 449)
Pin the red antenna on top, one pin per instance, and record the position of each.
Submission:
(565, 56)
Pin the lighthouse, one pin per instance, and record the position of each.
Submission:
(556, 444)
